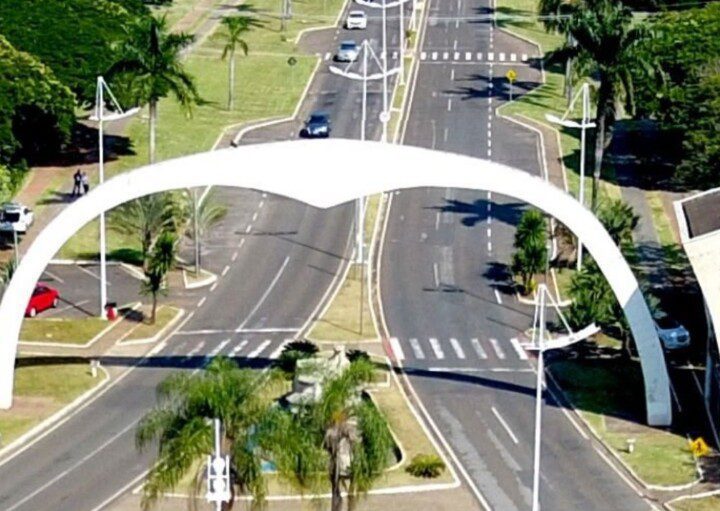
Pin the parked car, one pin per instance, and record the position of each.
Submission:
(43, 298)
(672, 334)
(356, 20)
(15, 217)
(347, 52)
(317, 125)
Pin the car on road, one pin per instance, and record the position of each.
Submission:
(317, 125)
(44, 297)
(356, 20)
(15, 217)
(347, 52)
(672, 334)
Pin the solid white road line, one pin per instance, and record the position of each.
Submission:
(458, 349)
(195, 350)
(263, 345)
(216, 351)
(54, 277)
(437, 349)
(498, 297)
(238, 348)
(417, 350)
(85, 270)
(475, 343)
(505, 425)
(80, 462)
(397, 349)
(266, 293)
(519, 349)
(498, 350)
(437, 369)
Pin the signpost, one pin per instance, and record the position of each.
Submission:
(511, 76)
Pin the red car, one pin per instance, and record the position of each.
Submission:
(44, 297)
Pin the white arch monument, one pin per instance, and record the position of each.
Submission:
(324, 174)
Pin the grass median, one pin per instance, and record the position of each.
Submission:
(605, 392)
(42, 387)
(63, 330)
(711, 503)
(144, 330)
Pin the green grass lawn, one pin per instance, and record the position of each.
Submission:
(711, 503)
(606, 392)
(178, 9)
(526, 24)
(69, 331)
(40, 391)
(144, 330)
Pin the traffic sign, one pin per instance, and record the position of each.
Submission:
(511, 75)
(699, 447)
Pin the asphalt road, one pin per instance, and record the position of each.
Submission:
(448, 303)
(276, 259)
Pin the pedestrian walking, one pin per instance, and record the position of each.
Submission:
(77, 183)
(85, 183)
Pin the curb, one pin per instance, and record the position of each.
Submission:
(161, 333)
(669, 505)
(210, 279)
(54, 418)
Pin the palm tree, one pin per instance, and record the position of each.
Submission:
(619, 220)
(203, 214)
(152, 68)
(606, 42)
(236, 27)
(342, 431)
(181, 425)
(145, 218)
(157, 267)
(530, 244)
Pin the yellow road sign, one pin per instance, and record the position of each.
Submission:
(699, 447)
(511, 75)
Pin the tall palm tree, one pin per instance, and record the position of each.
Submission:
(606, 42)
(237, 27)
(157, 267)
(342, 431)
(181, 425)
(530, 244)
(203, 215)
(619, 220)
(145, 218)
(151, 65)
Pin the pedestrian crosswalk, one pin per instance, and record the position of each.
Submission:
(239, 348)
(453, 348)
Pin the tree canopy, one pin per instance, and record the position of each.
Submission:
(78, 40)
(684, 98)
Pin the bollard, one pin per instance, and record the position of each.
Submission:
(630, 445)
(94, 365)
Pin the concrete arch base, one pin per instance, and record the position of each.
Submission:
(327, 173)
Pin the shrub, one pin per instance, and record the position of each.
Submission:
(354, 355)
(292, 352)
(426, 465)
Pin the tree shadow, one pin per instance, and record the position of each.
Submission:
(83, 148)
(476, 211)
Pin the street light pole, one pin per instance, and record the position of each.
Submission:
(401, 6)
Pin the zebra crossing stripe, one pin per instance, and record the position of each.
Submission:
(458, 349)
(498, 350)
(524, 57)
(491, 56)
(423, 56)
(434, 55)
(254, 353)
(195, 350)
(437, 349)
(502, 57)
(468, 55)
(417, 350)
(513, 57)
(518, 349)
(479, 55)
(327, 56)
(239, 347)
(456, 56)
(446, 55)
(478, 348)
(397, 349)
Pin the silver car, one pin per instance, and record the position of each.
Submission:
(347, 52)
(672, 334)
(15, 217)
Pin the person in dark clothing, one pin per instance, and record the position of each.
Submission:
(77, 183)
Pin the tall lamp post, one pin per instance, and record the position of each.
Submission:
(366, 52)
(218, 473)
(385, 6)
(100, 117)
(541, 344)
(586, 123)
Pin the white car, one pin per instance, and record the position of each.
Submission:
(347, 52)
(356, 20)
(672, 334)
(15, 217)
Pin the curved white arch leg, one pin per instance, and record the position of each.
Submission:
(327, 173)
